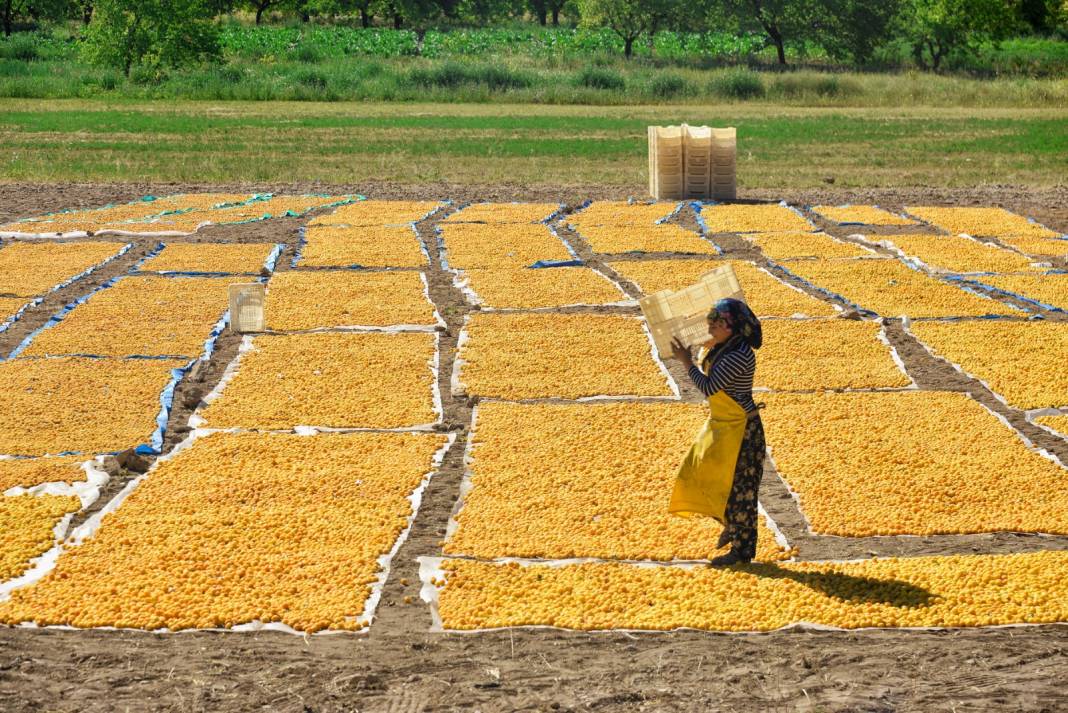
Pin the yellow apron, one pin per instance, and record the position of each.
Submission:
(706, 475)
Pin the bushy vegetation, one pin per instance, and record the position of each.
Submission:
(605, 52)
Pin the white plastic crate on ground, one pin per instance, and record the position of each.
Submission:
(666, 168)
(246, 307)
(683, 313)
(697, 151)
(692, 162)
(723, 185)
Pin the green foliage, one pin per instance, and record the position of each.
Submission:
(14, 12)
(455, 74)
(158, 33)
(853, 29)
(668, 86)
(600, 78)
(737, 84)
(630, 19)
(936, 29)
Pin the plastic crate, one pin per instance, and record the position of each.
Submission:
(246, 307)
(692, 162)
(683, 313)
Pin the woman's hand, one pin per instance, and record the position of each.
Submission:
(681, 352)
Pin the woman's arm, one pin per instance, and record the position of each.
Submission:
(731, 368)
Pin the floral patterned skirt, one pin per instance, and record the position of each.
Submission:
(741, 512)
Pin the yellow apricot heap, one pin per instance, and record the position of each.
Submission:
(954, 253)
(1050, 289)
(764, 293)
(371, 246)
(9, 306)
(190, 222)
(892, 289)
(863, 214)
(503, 213)
(752, 219)
(95, 219)
(529, 356)
(981, 222)
(1021, 361)
(337, 380)
(791, 246)
(535, 289)
(210, 257)
(142, 316)
(241, 528)
(29, 472)
(30, 269)
(621, 213)
(910, 463)
(825, 354)
(27, 525)
(84, 405)
(1057, 423)
(666, 237)
(378, 213)
(346, 298)
(1037, 246)
(950, 591)
(475, 245)
(583, 480)
(275, 206)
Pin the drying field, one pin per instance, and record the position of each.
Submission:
(439, 478)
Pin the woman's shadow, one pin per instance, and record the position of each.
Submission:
(847, 587)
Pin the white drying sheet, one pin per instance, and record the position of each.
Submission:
(46, 563)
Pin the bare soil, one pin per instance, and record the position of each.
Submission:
(399, 667)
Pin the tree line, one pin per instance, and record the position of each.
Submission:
(123, 33)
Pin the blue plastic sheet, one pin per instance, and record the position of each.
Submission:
(10, 320)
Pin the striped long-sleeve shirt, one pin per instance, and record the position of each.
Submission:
(732, 374)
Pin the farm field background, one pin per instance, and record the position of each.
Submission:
(396, 663)
(538, 146)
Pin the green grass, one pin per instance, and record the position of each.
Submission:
(779, 146)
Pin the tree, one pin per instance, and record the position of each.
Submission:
(630, 19)
(780, 20)
(853, 29)
(123, 33)
(937, 28)
(14, 11)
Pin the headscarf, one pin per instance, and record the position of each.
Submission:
(742, 321)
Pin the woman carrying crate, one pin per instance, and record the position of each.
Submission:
(720, 476)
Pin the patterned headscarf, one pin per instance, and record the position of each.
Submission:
(741, 319)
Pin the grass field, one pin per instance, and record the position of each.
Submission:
(779, 146)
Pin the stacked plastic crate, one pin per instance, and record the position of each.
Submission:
(666, 167)
(723, 185)
(692, 162)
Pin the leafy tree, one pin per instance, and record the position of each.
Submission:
(261, 7)
(542, 9)
(123, 33)
(630, 19)
(15, 11)
(937, 28)
(853, 29)
(780, 20)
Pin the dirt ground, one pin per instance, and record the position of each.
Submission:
(399, 667)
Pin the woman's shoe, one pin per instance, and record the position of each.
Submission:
(727, 560)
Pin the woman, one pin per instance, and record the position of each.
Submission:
(721, 474)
